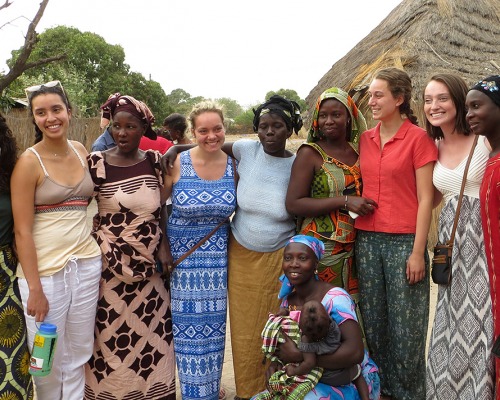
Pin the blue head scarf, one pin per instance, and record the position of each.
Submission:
(316, 245)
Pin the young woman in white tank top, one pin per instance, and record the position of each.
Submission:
(59, 261)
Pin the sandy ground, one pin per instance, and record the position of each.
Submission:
(228, 372)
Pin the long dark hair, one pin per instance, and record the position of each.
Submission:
(8, 155)
(46, 90)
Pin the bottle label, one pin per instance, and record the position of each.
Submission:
(39, 341)
(36, 363)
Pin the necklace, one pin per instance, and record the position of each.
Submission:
(56, 154)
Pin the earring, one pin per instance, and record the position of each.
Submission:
(316, 271)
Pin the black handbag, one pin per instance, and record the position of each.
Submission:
(441, 262)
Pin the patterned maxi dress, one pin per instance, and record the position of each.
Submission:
(336, 229)
(199, 283)
(460, 364)
(15, 381)
(133, 351)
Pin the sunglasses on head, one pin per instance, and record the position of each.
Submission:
(36, 88)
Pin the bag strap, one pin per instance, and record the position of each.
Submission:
(209, 234)
(459, 205)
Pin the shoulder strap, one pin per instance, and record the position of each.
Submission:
(464, 180)
(209, 234)
(77, 154)
(32, 149)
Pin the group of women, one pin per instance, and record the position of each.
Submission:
(144, 287)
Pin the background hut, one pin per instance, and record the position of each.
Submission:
(422, 37)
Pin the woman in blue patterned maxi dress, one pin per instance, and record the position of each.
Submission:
(203, 195)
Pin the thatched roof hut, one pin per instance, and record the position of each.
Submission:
(422, 37)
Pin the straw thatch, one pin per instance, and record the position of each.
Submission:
(422, 37)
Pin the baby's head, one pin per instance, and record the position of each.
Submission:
(314, 321)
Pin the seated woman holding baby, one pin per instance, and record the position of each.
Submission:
(300, 286)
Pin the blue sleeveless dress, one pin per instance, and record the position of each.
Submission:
(199, 283)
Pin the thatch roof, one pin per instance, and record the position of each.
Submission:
(422, 37)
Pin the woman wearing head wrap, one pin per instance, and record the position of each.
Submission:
(301, 285)
(326, 185)
(444, 108)
(133, 350)
(259, 230)
(483, 104)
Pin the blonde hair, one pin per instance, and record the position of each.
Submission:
(204, 107)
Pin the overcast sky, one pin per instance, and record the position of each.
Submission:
(218, 48)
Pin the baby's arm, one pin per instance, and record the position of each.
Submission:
(305, 366)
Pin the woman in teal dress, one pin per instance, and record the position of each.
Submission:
(15, 381)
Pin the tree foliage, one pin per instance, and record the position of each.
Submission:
(22, 62)
(290, 95)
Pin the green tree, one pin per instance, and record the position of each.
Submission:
(91, 71)
(231, 107)
(22, 64)
(290, 95)
(181, 101)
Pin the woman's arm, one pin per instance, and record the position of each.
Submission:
(298, 198)
(23, 184)
(351, 350)
(415, 266)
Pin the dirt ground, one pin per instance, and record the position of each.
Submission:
(227, 371)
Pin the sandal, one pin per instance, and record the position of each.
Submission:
(222, 393)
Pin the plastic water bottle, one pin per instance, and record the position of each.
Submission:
(44, 348)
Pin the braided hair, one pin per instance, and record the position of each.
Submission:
(399, 83)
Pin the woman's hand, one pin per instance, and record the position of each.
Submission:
(360, 205)
(287, 351)
(168, 159)
(415, 268)
(38, 305)
(165, 258)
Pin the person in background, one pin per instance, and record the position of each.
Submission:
(16, 383)
(158, 143)
(326, 184)
(105, 141)
(175, 126)
(59, 261)
(203, 188)
(483, 115)
(396, 158)
(133, 351)
(259, 230)
(468, 370)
